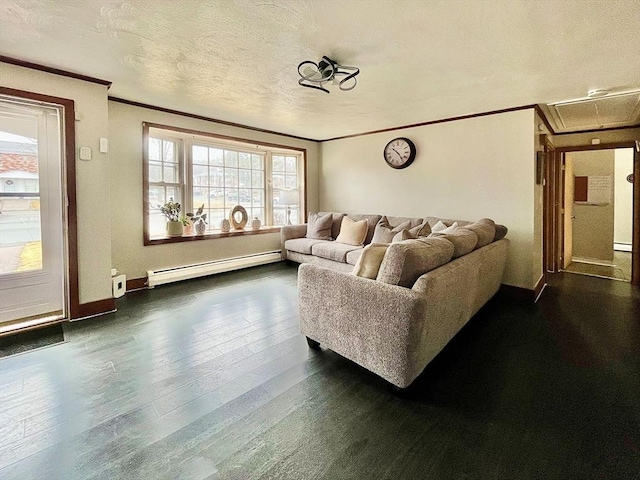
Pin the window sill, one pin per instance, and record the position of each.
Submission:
(209, 236)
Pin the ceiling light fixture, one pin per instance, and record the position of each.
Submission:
(597, 93)
(315, 75)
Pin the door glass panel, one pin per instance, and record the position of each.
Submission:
(20, 226)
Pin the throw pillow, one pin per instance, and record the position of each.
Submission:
(369, 262)
(319, 227)
(352, 232)
(403, 235)
(442, 227)
(384, 232)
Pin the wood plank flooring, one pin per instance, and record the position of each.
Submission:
(211, 379)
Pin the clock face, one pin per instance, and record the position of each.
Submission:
(399, 153)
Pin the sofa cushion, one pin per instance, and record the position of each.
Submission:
(352, 232)
(485, 229)
(406, 261)
(501, 232)
(336, 222)
(387, 232)
(301, 245)
(464, 240)
(372, 221)
(319, 226)
(353, 256)
(370, 259)
(333, 251)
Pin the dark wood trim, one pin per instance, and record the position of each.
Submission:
(55, 71)
(597, 130)
(145, 184)
(206, 119)
(70, 187)
(517, 293)
(433, 122)
(199, 133)
(210, 236)
(543, 117)
(137, 284)
(602, 146)
(99, 307)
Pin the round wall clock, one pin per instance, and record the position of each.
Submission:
(399, 152)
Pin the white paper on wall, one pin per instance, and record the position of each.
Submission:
(599, 189)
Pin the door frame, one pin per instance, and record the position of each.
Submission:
(70, 228)
(555, 238)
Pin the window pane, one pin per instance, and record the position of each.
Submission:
(157, 224)
(200, 155)
(294, 215)
(257, 179)
(258, 212)
(231, 196)
(245, 197)
(278, 163)
(291, 181)
(230, 177)
(217, 176)
(154, 149)
(155, 172)
(245, 178)
(200, 174)
(156, 196)
(216, 198)
(215, 156)
(199, 196)
(169, 151)
(291, 164)
(256, 162)
(230, 158)
(244, 160)
(279, 216)
(173, 192)
(278, 181)
(215, 218)
(171, 173)
(257, 197)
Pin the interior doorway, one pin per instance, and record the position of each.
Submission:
(33, 254)
(598, 212)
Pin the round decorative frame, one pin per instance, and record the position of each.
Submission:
(232, 217)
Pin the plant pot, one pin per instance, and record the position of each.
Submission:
(174, 229)
(200, 227)
(188, 229)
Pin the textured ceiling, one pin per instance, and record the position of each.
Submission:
(236, 60)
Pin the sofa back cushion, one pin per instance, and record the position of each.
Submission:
(404, 262)
(319, 226)
(485, 229)
(335, 224)
(352, 232)
(464, 240)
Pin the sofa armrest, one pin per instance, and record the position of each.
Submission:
(288, 232)
(372, 323)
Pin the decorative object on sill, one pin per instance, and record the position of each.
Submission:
(187, 226)
(289, 198)
(315, 75)
(255, 223)
(225, 226)
(199, 219)
(171, 210)
(238, 225)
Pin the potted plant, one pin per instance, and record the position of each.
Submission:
(199, 219)
(171, 210)
(187, 226)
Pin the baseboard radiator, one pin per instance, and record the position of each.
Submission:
(168, 275)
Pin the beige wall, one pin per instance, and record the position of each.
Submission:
(467, 169)
(93, 199)
(623, 197)
(129, 254)
(593, 224)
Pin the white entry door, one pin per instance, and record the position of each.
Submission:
(32, 213)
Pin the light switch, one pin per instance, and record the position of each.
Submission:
(104, 145)
(85, 153)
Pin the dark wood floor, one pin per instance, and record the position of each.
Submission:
(210, 379)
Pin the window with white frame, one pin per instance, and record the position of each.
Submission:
(218, 174)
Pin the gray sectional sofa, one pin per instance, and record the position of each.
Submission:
(425, 290)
